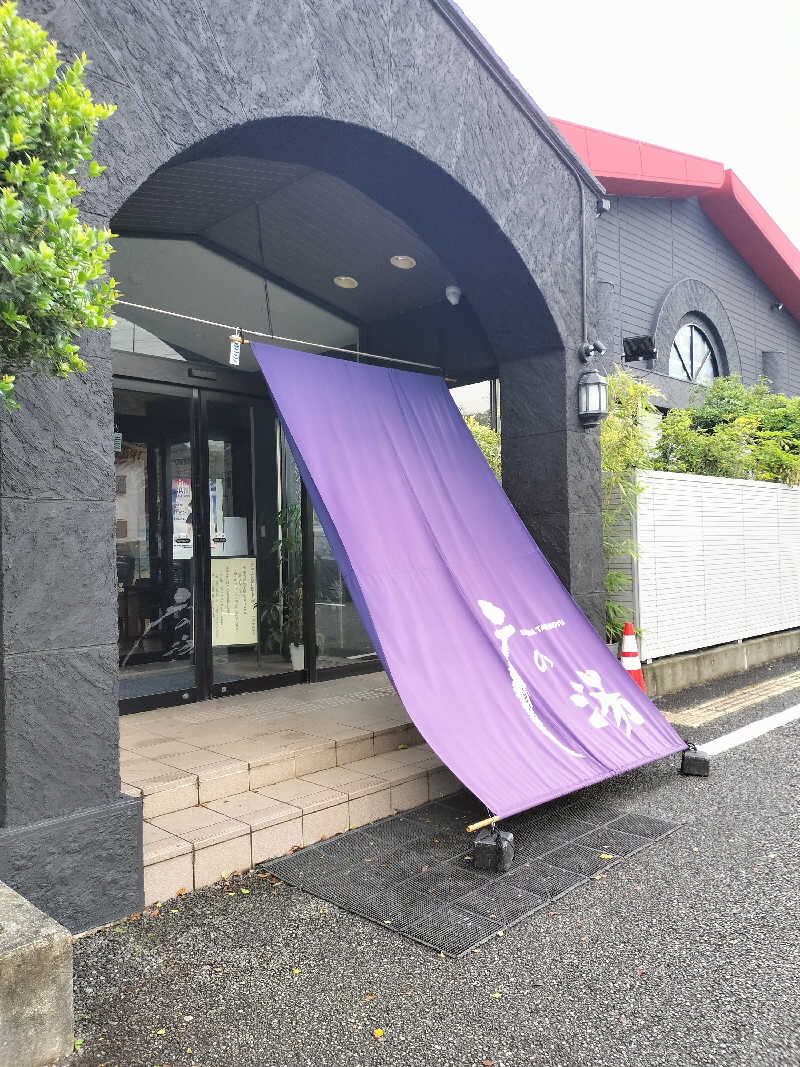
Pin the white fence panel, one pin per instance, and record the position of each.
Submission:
(718, 560)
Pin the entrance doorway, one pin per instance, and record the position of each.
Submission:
(225, 580)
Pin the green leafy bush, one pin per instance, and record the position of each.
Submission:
(52, 266)
(624, 447)
(488, 440)
(733, 431)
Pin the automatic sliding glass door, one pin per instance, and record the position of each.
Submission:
(341, 639)
(225, 580)
(155, 546)
(255, 588)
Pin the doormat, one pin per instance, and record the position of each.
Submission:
(413, 873)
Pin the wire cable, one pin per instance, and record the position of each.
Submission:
(358, 355)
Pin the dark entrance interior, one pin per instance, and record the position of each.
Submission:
(225, 579)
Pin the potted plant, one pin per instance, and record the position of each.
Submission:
(286, 608)
(293, 624)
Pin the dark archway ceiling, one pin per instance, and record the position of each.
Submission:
(303, 226)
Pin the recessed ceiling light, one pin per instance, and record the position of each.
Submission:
(344, 281)
(403, 262)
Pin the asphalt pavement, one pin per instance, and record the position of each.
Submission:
(688, 953)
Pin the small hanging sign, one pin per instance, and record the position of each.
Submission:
(117, 441)
(236, 340)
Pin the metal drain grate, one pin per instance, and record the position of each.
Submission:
(542, 879)
(453, 930)
(643, 825)
(414, 873)
(614, 841)
(574, 857)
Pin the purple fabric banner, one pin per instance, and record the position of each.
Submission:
(493, 660)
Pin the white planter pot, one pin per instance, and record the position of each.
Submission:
(298, 654)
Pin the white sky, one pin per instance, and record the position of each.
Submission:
(714, 78)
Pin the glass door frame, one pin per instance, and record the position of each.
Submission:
(201, 389)
(189, 694)
(239, 685)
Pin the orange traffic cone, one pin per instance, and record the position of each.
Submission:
(630, 656)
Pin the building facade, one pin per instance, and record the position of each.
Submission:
(686, 253)
(343, 179)
(263, 158)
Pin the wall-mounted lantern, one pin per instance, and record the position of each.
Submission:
(592, 387)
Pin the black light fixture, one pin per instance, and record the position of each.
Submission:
(592, 387)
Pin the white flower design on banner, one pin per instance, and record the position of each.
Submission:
(590, 689)
(504, 632)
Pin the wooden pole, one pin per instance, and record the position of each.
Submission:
(480, 825)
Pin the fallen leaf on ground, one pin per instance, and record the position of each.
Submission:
(160, 1032)
(245, 891)
(369, 996)
(377, 1034)
(295, 970)
(496, 995)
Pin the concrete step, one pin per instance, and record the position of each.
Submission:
(175, 762)
(229, 783)
(194, 846)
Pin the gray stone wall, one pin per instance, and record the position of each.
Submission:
(62, 820)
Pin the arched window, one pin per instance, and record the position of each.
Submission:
(692, 357)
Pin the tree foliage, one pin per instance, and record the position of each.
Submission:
(733, 431)
(488, 440)
(51, 264)
(624, 447)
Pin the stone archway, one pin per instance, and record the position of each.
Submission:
(413, 74)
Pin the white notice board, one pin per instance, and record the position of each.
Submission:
(234, 616)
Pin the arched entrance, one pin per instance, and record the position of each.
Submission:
(404, 109)
(291, 226)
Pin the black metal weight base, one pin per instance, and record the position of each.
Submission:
(493, 850)
(695, 763)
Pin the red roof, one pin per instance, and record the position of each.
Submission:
(635, 168)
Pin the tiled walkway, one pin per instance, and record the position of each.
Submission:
(708, 710)
(229, 783)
